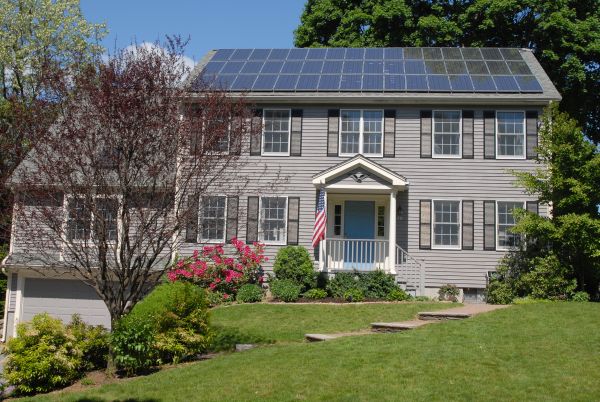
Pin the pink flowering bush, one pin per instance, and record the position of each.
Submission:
(213, 270)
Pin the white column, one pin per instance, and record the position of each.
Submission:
(392, 233)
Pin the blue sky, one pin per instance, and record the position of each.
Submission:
(211, 24)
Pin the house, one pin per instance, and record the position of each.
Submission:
(409, 149)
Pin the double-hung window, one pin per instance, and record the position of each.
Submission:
(446, 224)
(273, 220)
(510, 135)
(506, 221)
(276, 132)
(80, 218)
(361, 132)
(216, 135)
(447, 133)
(212, 218)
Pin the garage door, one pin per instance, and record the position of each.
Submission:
(62, 298)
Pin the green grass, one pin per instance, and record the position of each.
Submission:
(535, 352)
(285, 322)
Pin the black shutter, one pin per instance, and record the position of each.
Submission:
(252, 227)
(534, 207)
(467, 134)
(257, 129)
(468, 218)
(333, 131)
(236, 135)
(489, 225)
(531, 118)
(191, 228)
(426, 133)
(489, 134)
(296, 137)
(232, 217)
(293, 224)
(425, 224)
(389, 133)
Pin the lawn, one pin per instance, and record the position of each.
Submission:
(534, 352)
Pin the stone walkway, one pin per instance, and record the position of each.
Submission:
(423, 318)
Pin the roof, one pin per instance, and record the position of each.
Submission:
(376, 73)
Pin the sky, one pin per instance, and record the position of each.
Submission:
(211, 24)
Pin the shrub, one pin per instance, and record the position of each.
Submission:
(315, 294)
(548, 280)
(214, 298)
(377, 284)
(168, 326)
(422, 299)
(294, 263)
(212, 270)
(449, 292)
(249, 293)
(47, 355)
(285, 290)
(499, 292)
(581, 297)
(354, 295)
(398, 295)
(342, 282)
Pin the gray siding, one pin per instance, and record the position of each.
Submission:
(475, 179)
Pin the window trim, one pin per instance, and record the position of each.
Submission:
(199, 238)
(215, 152)
(289, 136)
(517, 157)
(459, 222)
(260, 220)
(361, 134)
(498, 247)
(460, 135)
(66, 200)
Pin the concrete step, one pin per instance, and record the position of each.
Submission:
(441, 315)
(319, 337)
(397, 326)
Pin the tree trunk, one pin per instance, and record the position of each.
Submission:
(111, 364)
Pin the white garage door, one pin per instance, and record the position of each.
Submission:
(62, 298)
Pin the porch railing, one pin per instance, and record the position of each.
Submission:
(410, 272)
(356, 254)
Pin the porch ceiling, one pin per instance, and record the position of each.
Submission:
(359, 173)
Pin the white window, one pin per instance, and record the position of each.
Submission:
(212, 218)
(273, 220)
(276, 132)
(447, 133)
(506, 221)
(380, 221)
(510, 135)
(446, 224)
(361, 131)
(216, 135)
(80, 218)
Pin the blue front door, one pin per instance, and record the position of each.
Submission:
(359, 223)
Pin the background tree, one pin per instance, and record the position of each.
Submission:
(106, 191)
(564, 35)
(562, 253)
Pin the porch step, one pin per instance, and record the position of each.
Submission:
(442, 315)
(397, 326)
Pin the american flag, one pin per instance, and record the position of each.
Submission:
(320, 220)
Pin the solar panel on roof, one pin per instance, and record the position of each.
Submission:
(307, 82)
(414, 67)
(483, 83)
(438, 83)
(460, 83)
(416, 82)
(349, 82)
(506, 83)
(371, 69)
(264, 82)
(329, 82)
(395, 83)
(497, 67)
(372, 82)
(528, 83)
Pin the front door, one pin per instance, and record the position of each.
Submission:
(359, 223)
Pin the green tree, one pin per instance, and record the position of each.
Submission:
(563, 34)
(33, 35)
(563, 250)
